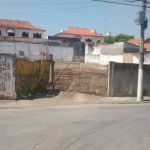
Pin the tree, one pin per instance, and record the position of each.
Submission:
(109, 39)
(123, 38)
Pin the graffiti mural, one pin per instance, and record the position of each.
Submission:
(6, 74)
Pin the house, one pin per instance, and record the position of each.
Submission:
(86, 35)
(18, 28)
(121, 52)
(137, 42)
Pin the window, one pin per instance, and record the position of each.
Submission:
(24, 34)
(21, 53)
(98, 41)
(88, 40)
(11, 32)
(36, 35)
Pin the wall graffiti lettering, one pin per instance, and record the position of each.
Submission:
(5, 73)
(2, 87)
(4, 66)
(5, 77)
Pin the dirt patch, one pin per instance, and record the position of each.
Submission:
(81, 77)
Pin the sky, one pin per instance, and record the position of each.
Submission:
(55, 15)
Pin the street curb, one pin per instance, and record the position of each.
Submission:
(73, 104)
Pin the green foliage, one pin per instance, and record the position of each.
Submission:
(118, 38)
(123, 38)
(109, 39)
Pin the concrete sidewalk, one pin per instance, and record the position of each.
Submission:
(68, 98)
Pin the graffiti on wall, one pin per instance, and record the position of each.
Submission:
(6, 74)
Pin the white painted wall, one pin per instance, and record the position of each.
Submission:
(102, 54)
(103, 59)
(18, 32)
(92, 58)
(7, 80)
(7, 47)
(94, 38)
(62, 53)
(38, 51)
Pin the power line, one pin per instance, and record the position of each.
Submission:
(117, 3)
(48, 11)
(19, 4)
(51, 11)
(104, 1)
(45, 4)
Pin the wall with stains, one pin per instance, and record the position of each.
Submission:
(123, 79)
(31, 77)
(7, 76)
(33, 51)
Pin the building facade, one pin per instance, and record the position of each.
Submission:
(86, 35)
(121, 52)
(16, 28)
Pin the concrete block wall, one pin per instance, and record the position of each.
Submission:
(123, 79)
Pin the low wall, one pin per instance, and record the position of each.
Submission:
(103, 59)
(123, 79)
(80, 77)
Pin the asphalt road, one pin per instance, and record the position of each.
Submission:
(89, 127)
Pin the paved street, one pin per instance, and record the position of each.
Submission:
(87, 127)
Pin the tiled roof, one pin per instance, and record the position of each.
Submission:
(81, 31)
(136, 41)
(147, 46)
(18, 24)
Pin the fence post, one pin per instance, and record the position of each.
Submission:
(51, 77)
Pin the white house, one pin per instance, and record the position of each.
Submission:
(122, 52)
(18, 28)
(85, 34)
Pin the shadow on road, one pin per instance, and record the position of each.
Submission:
(48, 94)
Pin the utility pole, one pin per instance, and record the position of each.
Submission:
(141, 59)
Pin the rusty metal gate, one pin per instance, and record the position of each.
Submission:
(81, 77)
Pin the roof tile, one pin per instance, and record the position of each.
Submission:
(81, 31)
(18, 24)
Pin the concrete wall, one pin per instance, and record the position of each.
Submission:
(123, 80)
(7, 79)
(33, 48)
(105, 59)
(83, 39)
(61, 53)
(37, 51)
(79, 47)
(18, 32)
